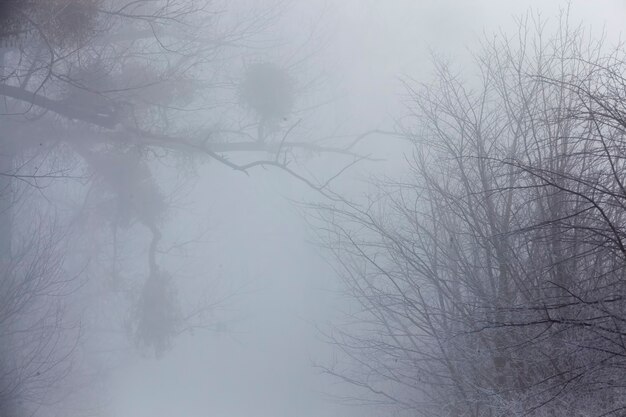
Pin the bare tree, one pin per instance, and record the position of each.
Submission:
(490, 279)
(100, 92)
(38, 337)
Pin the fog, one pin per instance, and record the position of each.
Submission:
(258, 251)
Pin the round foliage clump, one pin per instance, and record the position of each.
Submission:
(268, 90)
(157, 313)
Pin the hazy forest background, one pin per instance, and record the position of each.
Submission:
(312, 208)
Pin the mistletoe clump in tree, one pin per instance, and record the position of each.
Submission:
(270, 92)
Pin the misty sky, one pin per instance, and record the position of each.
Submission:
(260, 361)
